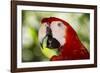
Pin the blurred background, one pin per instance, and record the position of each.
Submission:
(31, 22)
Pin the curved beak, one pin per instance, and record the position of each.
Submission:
(50, 42)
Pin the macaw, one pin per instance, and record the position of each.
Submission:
(57, 34)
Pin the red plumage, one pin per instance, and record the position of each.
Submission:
(73, 49)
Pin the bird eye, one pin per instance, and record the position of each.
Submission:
(59, 24)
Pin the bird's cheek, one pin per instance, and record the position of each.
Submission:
(60, 36)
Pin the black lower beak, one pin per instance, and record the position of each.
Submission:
(53, 43)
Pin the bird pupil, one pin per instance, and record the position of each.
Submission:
(59, 24)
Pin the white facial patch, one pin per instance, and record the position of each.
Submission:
(58, 31)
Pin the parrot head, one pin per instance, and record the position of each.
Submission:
(58, 38)
(52, 33)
